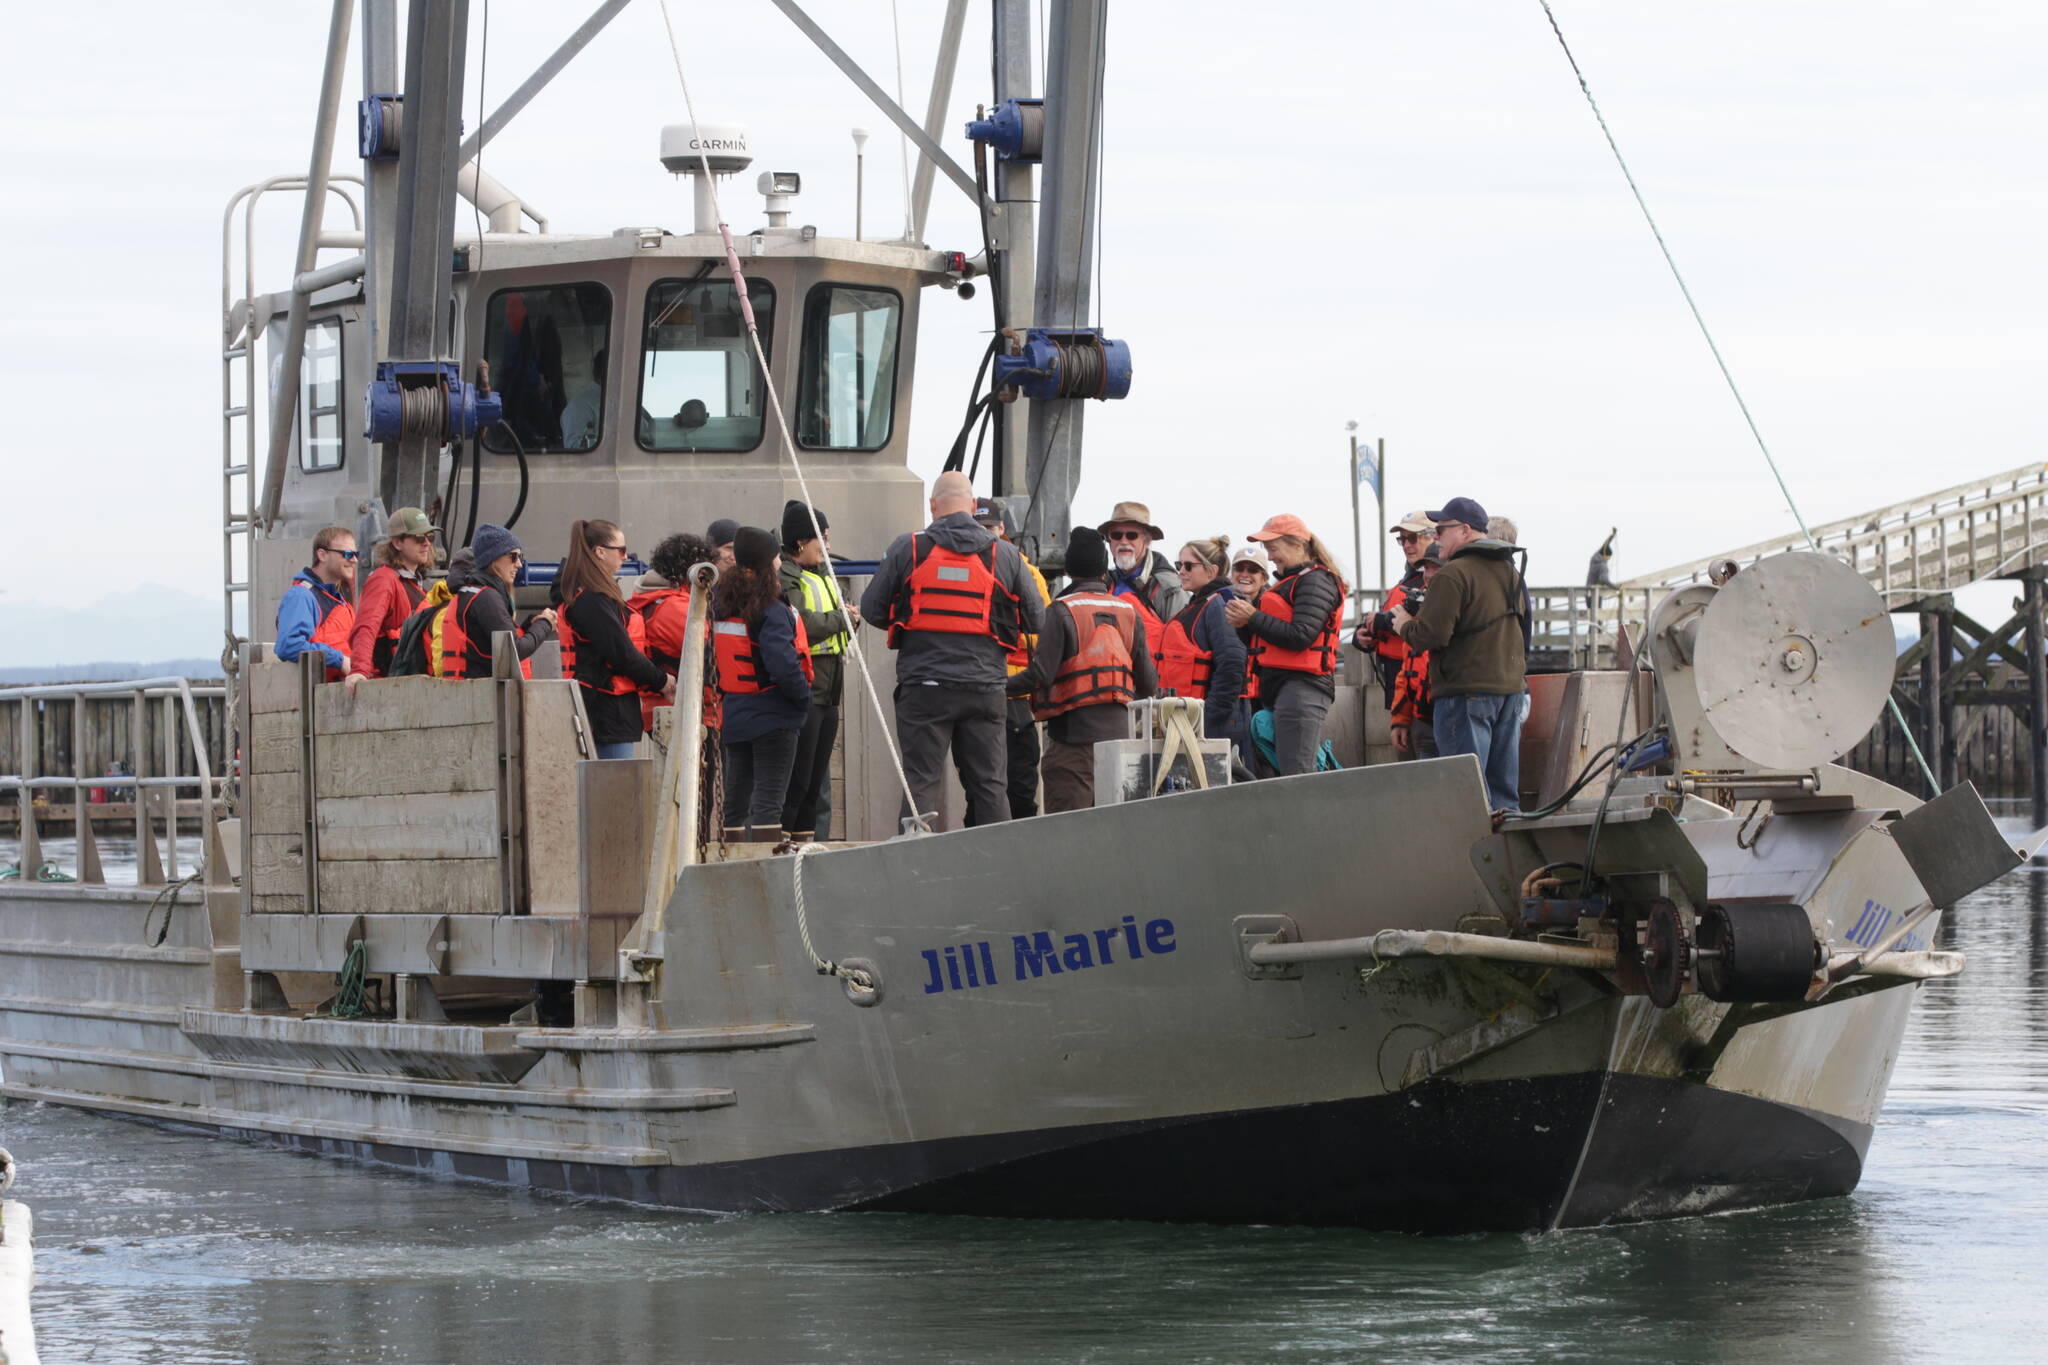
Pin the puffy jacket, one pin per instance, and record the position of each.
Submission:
(970, 662)
(303, 622)
(1474, 623)
(389, 596)
(1318, 602)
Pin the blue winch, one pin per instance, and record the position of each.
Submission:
(427, 398)
(1070, 363)
(1015, 128)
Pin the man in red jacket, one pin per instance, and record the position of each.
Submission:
(392, 593)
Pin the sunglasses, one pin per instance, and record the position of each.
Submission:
(1190, 565)
(620, 547)
(1123, 535)
(1407, 537)
(349, 555)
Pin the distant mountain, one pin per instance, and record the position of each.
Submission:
(145, 621)
(204, 669)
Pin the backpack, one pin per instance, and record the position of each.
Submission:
(414, 653)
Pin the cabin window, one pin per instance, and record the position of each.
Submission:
(547, 346)
(847, 396)
(320, 397)
(700, 386)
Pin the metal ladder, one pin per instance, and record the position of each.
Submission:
(239, 329)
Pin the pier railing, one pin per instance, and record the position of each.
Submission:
(1579, 627)
(158, 739)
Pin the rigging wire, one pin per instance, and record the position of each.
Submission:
(902, 138)
(1727, 375)
(782, 430)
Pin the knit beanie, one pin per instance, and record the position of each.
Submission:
(720, 532)
(754, 548)
(1087, 554)
(796, 525)
(493, 543)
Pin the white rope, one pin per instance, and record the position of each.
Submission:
(782, 431)
(803, 924)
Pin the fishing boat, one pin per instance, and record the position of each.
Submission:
(432, 930)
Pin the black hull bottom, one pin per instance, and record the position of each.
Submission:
(1499, 1156)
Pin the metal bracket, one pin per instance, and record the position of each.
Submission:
(1257, 930)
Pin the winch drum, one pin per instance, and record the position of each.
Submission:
(1756, 954)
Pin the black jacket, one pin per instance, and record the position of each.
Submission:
(1318, 596)
(972, 663)
(603, 652)
(484, 614)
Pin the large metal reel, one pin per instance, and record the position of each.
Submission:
(1793, 660)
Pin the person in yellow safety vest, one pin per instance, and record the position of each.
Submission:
(1020, 725)
(812, 591)
(1093, 659)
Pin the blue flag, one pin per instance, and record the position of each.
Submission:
(1368, 468)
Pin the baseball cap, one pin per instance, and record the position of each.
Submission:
(410, 521)
(1254, 555)
(989, 513)
(1285, 524)
(1417, 523)
(1462, 510)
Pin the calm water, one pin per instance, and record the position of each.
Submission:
(155, 1246)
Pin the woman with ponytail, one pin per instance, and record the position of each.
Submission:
(1293, 632)
(1200, 654)
(603, 644)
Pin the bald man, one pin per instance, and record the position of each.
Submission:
(953, 598)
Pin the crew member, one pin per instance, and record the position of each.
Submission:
(1472, 621)
(1376, 635)
(1294, 639)
(954, 598)
(316, 612)
(764, 675)
(812, 591)
(1200, 654)
(1093, 659)
(392, 592)
(482, 606)
(1020, 727)
(1413, 734)
(1141, 572)
(602, 641)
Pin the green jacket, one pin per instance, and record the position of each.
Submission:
(1472, 622)
(822, 626)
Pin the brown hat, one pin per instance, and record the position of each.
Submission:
(1133, 513)
(1286, 524)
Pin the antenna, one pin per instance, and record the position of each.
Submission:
(860, 171)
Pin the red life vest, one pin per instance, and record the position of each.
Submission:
(636, 633)
(455, 639)
(334, 629)
(1098, 672)
(414, 592)
(663, 613)
(1185, 668)
(1321, 655)
(954, 594)
(1391, 645)
(737, 650)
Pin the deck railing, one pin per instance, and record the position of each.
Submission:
(170, 768)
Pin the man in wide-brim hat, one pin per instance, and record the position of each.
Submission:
(1139, 571)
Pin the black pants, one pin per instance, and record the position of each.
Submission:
(807, 809)
(932, 720)
(756, 780)
(1021, 741)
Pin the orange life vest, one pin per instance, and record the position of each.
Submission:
(954, 594)
(737, 650)
(663, 613)
(1391, 645)
(334, 630)
(455, 638)
(636, 633)
(1321, 655)
(1098, 672)
(1185, 668)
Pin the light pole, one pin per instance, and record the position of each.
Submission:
(1357, 536)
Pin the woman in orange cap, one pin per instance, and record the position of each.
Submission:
(1293, 631)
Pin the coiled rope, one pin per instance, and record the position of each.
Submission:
(825, 966)
(782, 429)
(1734, 389)
(351, 985)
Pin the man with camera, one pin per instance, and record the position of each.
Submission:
(1471, 622)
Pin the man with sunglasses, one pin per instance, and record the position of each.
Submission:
(1376, 635)
(317, 611)
(1137, 570)
(392, 592)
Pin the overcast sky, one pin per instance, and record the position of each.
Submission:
(1314, 213)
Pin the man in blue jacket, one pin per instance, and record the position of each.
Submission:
(318, 611)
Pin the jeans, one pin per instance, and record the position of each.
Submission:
(1490, 729)
(617, 750)
(807, 808)
(930, 721)
(756, 780)
(1298, 710)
